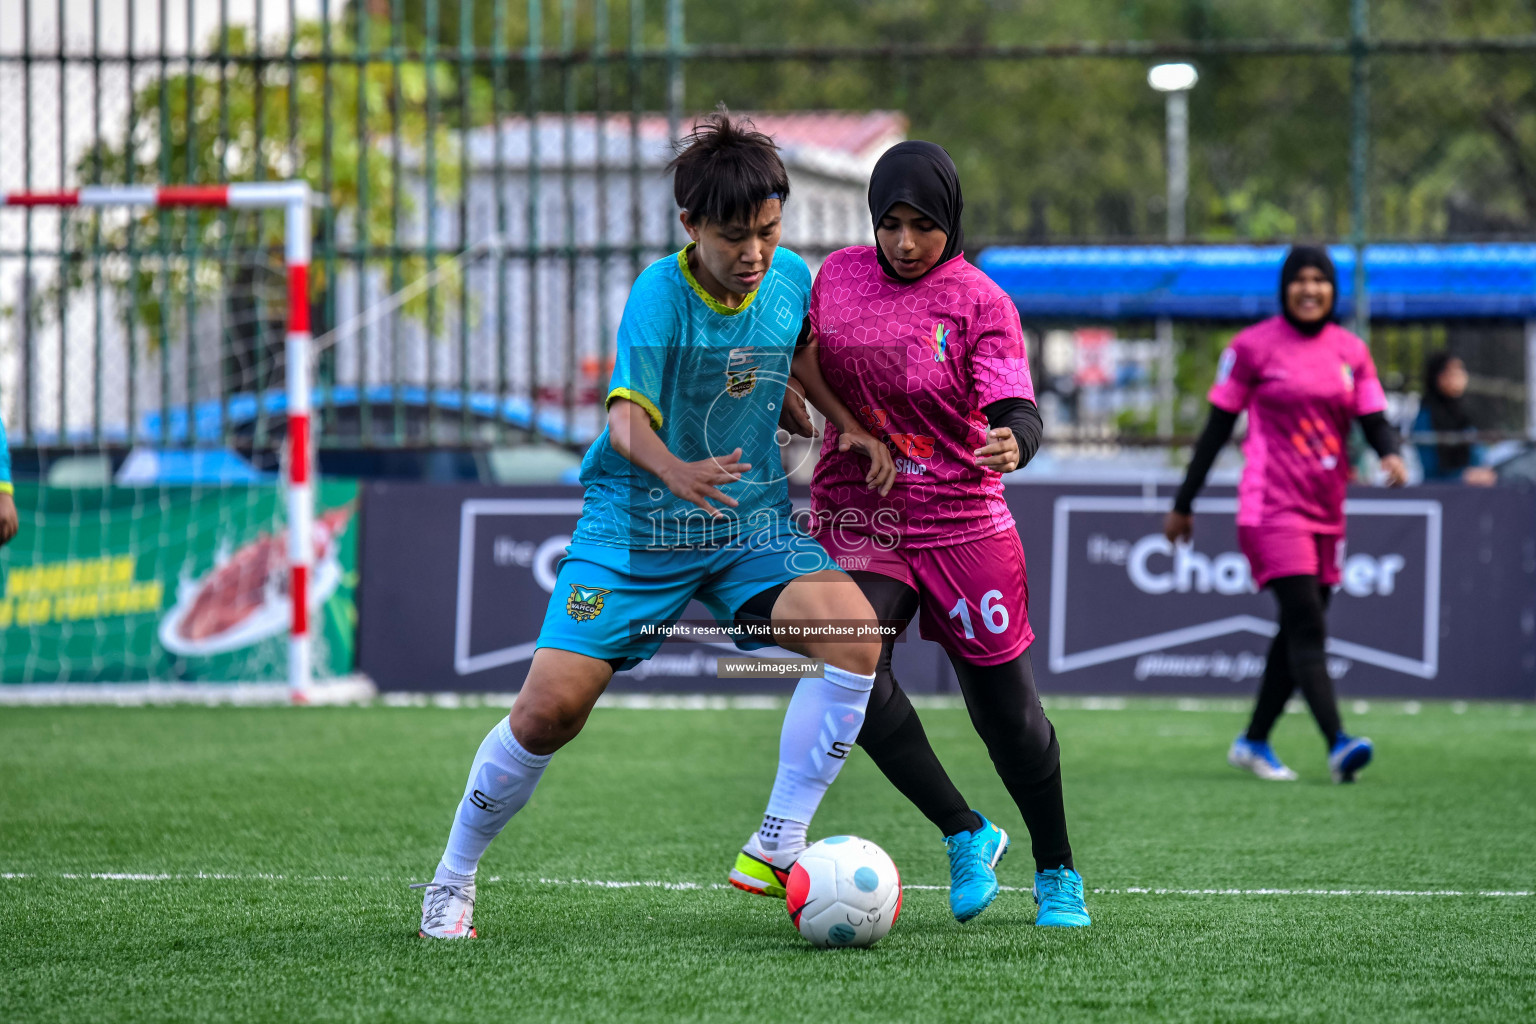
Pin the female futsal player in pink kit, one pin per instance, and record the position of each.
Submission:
(1303, 380)
(928, 354)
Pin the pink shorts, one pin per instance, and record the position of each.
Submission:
(1274, 552)
(974, 597)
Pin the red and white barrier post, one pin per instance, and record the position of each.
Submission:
(293, 198)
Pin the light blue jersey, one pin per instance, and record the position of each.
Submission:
(712, 380)
(5, 462)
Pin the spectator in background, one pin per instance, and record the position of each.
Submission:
(1441, 412)
(9, 523)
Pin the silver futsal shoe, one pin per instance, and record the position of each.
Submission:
(447, 911)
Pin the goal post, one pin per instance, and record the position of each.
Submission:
(294, 199)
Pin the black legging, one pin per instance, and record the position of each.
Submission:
(1298, 660)
(1005, 709)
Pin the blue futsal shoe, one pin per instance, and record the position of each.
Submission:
(1259, 759)
(973, 856)
(1059, 894)
(1348, 756)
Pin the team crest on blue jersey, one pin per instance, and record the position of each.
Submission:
(741, 372)
(585, 603)
(1348, 376)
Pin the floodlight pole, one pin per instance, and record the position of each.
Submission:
(675, 91)
(1176, 116)
(1359, 157)
(293, 198)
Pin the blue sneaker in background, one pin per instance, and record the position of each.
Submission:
(973, 856)
(1348, 756)
(1259, 759)
(1059, 893)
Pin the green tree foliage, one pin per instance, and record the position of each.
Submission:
(338, 128)
(1064, 149)
(1050, 149)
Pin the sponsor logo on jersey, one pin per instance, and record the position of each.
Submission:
(1348, 376)
(1312, 437)
(875, 420)
(907, 448)
(917, 446)
(741, 372)
(939, 342)
(585, 603)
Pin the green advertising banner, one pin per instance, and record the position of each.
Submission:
(170, 584)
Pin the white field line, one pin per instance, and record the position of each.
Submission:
(599, 883)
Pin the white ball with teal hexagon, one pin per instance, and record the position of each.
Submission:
(844, 892)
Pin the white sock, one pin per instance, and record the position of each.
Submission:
(781, 834)
(500, 782)
(820, 727)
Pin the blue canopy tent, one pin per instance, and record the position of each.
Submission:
(1240, 282)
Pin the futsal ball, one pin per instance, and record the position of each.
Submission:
(844, 891)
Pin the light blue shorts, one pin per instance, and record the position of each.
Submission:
(615, 603)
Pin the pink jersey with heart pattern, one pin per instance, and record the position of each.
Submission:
(916, 362)
(1301, 394)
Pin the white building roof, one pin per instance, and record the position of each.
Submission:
(837, 144)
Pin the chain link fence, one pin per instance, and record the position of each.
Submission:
(493, 180)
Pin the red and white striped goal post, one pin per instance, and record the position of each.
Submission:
(294, 198)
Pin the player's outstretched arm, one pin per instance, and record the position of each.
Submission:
(852, 435)
(9, 522)
(630, 430)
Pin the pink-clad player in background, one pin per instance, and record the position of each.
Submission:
(927, 353)
(1303, 380)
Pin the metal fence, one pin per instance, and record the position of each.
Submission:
(492, 174)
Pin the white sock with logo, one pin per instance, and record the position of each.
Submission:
(820, 727)
(500, 782)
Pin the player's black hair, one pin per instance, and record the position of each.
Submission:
(725, 169)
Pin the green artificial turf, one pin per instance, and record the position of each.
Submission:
(319, 818)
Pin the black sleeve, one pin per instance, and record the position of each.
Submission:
(1218, 430)
(1022, 417)
(1379, 434)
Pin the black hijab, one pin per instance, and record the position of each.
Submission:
(1446, 414)
(1308, 256)
(922, 175)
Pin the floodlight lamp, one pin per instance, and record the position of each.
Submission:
(1173, 77)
